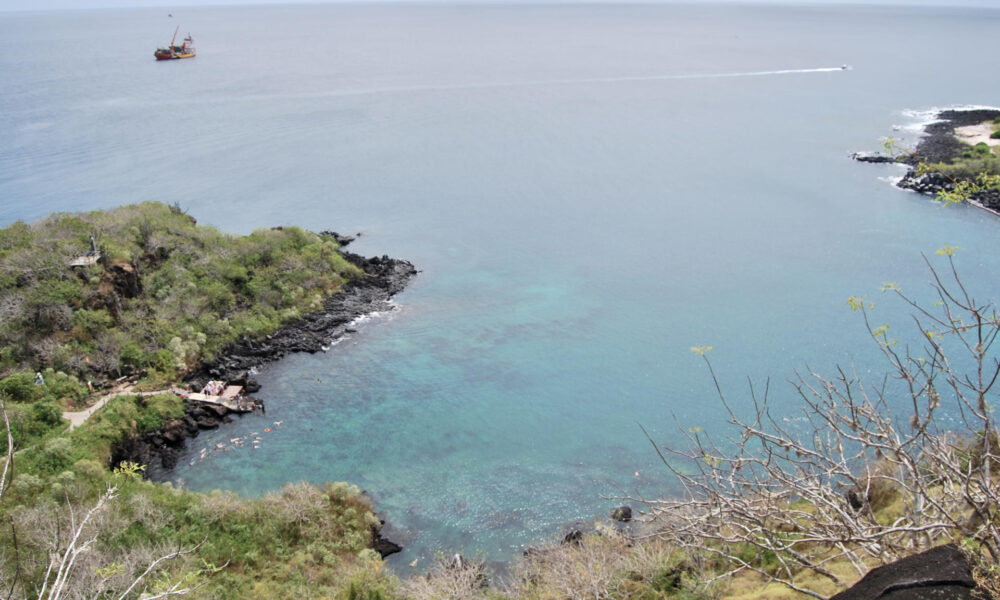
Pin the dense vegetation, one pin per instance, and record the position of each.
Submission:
(304, 541)
(165, 294)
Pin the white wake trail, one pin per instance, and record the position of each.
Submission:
(582, 80)
(452, 87)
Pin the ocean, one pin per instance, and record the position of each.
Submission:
(588, 190)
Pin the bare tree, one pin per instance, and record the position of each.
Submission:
(68, 547)
(8, 463)
(455, 579)
(785, 498)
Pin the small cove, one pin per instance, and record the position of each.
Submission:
(574, 240)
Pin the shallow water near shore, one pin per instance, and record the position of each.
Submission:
(589, 191)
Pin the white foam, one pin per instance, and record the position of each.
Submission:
(921, 117)
(924, 117)
(891, 180)
(334, 342)
(980, 205)
(376, 314)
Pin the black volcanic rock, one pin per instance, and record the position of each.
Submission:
(941, 573)
(384, 278)
(573, 537)
(622, 514)
(384, 547)
(343, 240)
(873, 158)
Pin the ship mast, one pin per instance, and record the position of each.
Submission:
(174, 38)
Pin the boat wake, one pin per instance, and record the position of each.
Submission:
(486, 85)
(582, 80)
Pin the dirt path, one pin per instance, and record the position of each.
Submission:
(77, 418)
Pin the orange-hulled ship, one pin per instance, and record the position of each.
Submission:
(185, 50)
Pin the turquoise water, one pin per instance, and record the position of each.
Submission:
(587, 189)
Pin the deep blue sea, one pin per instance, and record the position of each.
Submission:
(588, 190)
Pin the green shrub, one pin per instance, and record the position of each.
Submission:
(55, 455)
(88, 323)
(132, 355)
(162, 360)
(56, 292)
(89, 469)
(968, 168)
(217, 295)
(61, 385)
(356, 592)
(21, 387)
(236, 273)
(26, 484)
(46, 413)
(17, 235)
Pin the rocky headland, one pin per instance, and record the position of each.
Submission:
(384, 278)
(942, 142)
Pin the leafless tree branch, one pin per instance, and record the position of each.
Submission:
(782, 497)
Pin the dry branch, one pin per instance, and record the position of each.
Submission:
(787, 498)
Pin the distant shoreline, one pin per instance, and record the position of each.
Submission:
(944, 139)
(940, 142)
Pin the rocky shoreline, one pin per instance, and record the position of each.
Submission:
(384, 278)
(939, 144)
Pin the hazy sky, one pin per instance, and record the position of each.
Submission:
(168, 4)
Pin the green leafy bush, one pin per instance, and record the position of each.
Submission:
(132, 355)
(60, 386)
(46, 413)
(55, 456)
(21, 387)
(88, 323)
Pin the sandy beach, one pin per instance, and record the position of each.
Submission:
(973, 134)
